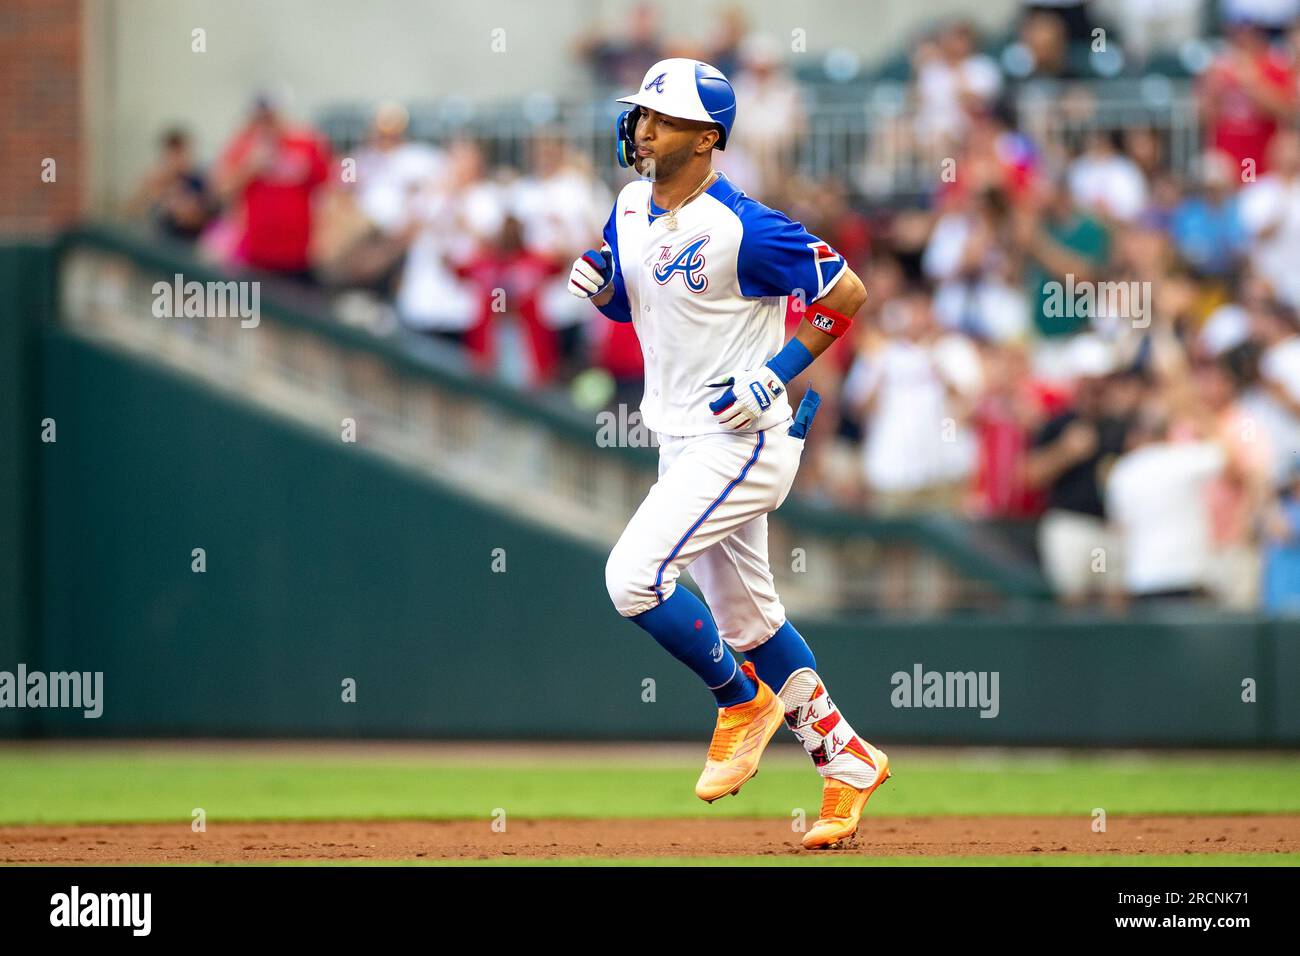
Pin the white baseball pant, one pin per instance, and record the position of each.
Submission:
(708, 511)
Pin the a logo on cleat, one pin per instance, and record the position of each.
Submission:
(834, 744)
(808, 713)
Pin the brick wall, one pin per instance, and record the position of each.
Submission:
(41, 64)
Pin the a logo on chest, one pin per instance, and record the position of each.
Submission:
(689, 262)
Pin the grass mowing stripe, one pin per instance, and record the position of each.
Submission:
(116, 787)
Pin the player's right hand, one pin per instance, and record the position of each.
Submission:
(592, 273)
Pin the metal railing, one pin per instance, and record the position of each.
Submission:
(868, 140)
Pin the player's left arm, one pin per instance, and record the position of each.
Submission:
(786, 257)
(842, 302)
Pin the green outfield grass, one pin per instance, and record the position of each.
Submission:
(105, 785)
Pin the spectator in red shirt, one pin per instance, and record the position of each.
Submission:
(1012, 409)
(507, 265)
(1246, 91)
(617, 350)
(270, 172)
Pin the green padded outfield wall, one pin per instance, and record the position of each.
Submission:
(24, 300)
(325, 562)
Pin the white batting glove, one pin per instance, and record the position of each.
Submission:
(749, 394)
(592, 273)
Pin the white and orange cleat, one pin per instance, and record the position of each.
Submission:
(842, 803)
(851, 768)
(741, 734)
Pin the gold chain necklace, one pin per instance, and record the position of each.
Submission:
(671, 221)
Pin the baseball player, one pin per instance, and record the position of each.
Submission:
(704, 273)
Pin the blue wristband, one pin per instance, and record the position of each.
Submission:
(790, 361)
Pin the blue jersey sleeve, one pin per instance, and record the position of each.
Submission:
(617, 308)
(778, 256)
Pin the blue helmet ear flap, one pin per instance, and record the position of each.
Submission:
(625, 136)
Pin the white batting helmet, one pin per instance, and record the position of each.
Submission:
(679, 87)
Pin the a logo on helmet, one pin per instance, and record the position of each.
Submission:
(690, 263)
(657, 83)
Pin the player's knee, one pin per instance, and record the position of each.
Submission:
(619, 578)
(630, 588)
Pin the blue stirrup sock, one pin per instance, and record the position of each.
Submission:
(684, 628)
(780, 656)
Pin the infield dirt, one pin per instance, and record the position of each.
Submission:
(467, 840)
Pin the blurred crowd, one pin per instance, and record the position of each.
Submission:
(1066, 331)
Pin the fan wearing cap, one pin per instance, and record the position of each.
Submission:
(705, 274)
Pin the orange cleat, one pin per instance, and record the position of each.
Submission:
(842, 804)
(742, 732)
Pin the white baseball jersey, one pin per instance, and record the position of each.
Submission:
(709, 297)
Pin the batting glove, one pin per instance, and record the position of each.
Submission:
(749, 394)
(592, 273)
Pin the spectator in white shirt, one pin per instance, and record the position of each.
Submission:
(1156, 499)
(1106, 181)
(363, 230)
(979, 291)
(1274, 403)
(1155, 26)
(762, 147)
(391, 170)
(953, 82)
(915, 391)
(1270, 213)
(452, 218)
(561, 204)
